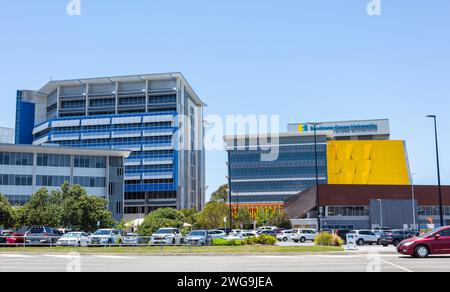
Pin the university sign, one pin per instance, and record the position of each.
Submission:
(355, 128)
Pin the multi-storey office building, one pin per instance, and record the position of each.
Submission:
(24, 169)
(158, 117)
(257, 183)
(348, 153)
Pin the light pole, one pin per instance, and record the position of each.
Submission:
(415, 210)
(316, 158)
(381, 214)
(441, 207)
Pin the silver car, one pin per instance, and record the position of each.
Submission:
(199, 237)
(74, 239)
(217, 234)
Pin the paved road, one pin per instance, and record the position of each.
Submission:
(306, 263)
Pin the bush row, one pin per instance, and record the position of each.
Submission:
(261, 240)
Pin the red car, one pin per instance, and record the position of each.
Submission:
(18, 236)
(436, 242)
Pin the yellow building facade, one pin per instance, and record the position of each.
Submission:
(368, 163)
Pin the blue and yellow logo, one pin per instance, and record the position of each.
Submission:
(302, 128)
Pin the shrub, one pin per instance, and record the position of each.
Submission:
(327, 239)
(266, 240)
(223, 242)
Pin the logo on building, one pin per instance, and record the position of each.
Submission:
(303, 128)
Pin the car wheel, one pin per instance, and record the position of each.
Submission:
(385, 244)
(396, 242)
(285, 239)
(295, 240)
(302, 240)
(360, 241)
(422, 251)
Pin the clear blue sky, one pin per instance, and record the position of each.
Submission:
(306, 60)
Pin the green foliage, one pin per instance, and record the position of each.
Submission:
(161, 218)
(327, 239)
(266, 240)
(212, 215)
(6, 212)
(69, 207)
(261, 240)
(242, 218)
(223, 242)
(220, 195)
(190, 215)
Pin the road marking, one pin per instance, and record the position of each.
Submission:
(113, 257)
(15, 256)
(394, 265)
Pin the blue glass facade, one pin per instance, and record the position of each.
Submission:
(149, 168)
(254, 181)
(25, 112)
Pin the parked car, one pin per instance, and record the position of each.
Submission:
(268, 232)
(4, 234)
(105, 237)
(38, 235)
(74, 239)
(303, 235)
(217, 234)
(134, 239)
(234, 236)
(226, 230)
(342, 233)
(285, 235)
(266, 228)
(365, 237)
(199, 237)
(247, 234)
(18, 236)
(394, 237)
(436, 242)
(167, 236)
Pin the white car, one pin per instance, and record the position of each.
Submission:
(285, 235)
(365, 237)
(105, 236)
(303, 235)
(167, 236)
(74, 239)
(217, 234)
(234, 236)
(268, 228)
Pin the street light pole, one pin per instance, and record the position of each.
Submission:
(316, 158)
(441, 207)
(229, 187)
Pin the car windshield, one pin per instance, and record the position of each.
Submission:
(430, 233)
(165, 231)
(102, 232)
(197, 233)
(72, 235)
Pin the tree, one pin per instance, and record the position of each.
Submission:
(6, 212)
(190, 215)
(220, 195)
(212, 215)
(42, 210)
(242, 218)
(161, 218)
(84, 211)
